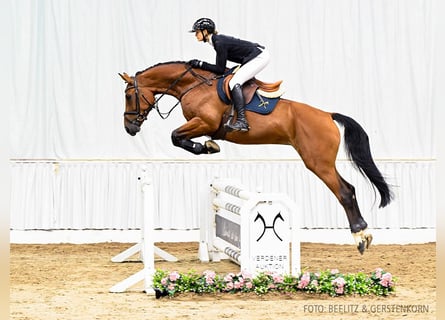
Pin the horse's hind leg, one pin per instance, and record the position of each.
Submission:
(345, 193)
(357, 224)
(319, 150)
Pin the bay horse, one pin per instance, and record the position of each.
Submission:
(311, 131)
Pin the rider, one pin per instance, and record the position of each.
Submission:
(252, 56)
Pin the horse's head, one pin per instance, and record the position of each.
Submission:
(138, 103)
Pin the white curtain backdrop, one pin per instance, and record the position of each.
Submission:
(107, 195)
(74, 167)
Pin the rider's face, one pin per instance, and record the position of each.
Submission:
(200, 34)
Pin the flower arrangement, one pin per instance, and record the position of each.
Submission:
(332, 282)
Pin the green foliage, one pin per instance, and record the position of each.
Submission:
(331, 282)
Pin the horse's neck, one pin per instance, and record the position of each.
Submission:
(163, 78)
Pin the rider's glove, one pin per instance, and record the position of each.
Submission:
(195, 63)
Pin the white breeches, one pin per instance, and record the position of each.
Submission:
(250, 69)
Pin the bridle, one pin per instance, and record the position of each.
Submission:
(141, 116)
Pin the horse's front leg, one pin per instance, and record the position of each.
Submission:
(194, 147)
(182, 136)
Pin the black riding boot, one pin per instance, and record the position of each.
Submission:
(238, 103)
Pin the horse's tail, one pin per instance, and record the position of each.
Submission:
(358, 150)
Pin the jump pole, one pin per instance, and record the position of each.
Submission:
(146, 246)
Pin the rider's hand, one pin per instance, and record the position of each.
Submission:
(195, 63)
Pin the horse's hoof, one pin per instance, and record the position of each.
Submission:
(361, 247)
(362, 240)
(211, 146)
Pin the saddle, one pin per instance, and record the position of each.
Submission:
(259, 97)
(269, 90)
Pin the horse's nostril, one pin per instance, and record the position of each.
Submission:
(132, 129)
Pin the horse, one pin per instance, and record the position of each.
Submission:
(312, 132)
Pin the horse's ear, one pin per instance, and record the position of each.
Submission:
(126, 78)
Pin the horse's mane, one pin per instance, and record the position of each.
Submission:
(160, 64)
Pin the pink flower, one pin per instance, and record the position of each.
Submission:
(339, 290)
(209, 274)
(164, 281)
(229, 277)
(246, 274)
(378, 273)
(304, 281)
(314, 283)
(339, 284)
(238, 284)
(386, 280)
(174, 276)
(229, 286)
(339, 281)
(171, 287)
(277, 278)
(249, 285)
(334, 271)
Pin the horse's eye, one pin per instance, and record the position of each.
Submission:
(128, 96)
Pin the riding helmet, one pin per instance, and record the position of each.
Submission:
(204, 24)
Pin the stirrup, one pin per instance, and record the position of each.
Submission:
(237, 126)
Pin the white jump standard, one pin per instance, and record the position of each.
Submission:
(259, 231)
(146, 247)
